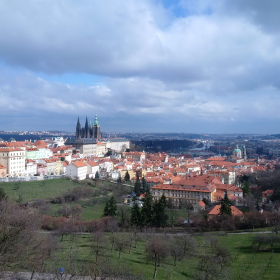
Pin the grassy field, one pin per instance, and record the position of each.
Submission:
(28, 191)
(246, 263)
(91, 212)
(37, 189)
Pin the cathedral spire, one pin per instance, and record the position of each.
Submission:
(78, 129)
(86, 129)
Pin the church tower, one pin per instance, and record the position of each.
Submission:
(78, 129)
(244, 152)
(96, 129)
(86, 129)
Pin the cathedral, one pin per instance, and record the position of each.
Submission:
(89, 131)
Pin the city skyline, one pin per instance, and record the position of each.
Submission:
(145, 66)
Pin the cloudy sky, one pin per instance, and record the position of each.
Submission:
(195, 66)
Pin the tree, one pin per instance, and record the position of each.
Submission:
(110, 208)
(96, 175)
(147, 210)
(144, 185)
(97, 244)
(176, 249)
(137, 186)
(135, 216)
(186, 205)
(156, 251)
(121, 243)
(262, 239)
(119, 180)
(123, 215)
(213, 266)
(245, 188)
(3, 195)
(225, 206)
(21, 244)
(127, 176)
(159, 213)
(172, 212)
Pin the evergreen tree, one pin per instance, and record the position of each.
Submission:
(245, 188)
(137, 186)
(135, 216)
(127, 176)
(144, 185)
(146, 211)
(225, 206)
(159, 212)
(110, 208)
(119, 180)
(96, 175)
(106, 210)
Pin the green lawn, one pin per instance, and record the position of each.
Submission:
(29, 191)
(37, 189)
(91, 212)
(246, 263)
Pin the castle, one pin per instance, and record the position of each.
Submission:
(89, 131)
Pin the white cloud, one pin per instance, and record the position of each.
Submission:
(220, 63)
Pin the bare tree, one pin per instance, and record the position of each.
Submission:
(20, 242)
(176, 249)
(97, 244)
(213, 263)
(121, 242)
(156, 250)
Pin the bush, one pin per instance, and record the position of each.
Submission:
(57, 200)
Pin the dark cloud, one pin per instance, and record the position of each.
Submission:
(264, 14)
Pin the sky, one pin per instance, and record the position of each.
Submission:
(192, 66)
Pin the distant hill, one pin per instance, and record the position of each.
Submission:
(164, 145)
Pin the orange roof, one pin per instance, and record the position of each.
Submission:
(10, 150)
(41, 143)
(79, 164)
(181, 188)
(92, 163)
(215, 159)
(234, 211)
(267, 193)
(201, 203)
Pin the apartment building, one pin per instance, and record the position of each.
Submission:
(13, 160)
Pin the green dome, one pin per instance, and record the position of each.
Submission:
(237, 151)
(96, 121)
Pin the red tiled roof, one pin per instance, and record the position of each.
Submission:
(234, 211)
(79, 164)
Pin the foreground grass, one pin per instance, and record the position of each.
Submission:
(246, 263)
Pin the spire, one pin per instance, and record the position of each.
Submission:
(86, 129)
(96, 121)
(78, 129)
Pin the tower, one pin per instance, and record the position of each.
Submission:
(78, 129)
(96, 129)
(244, 153)
(86, 130)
